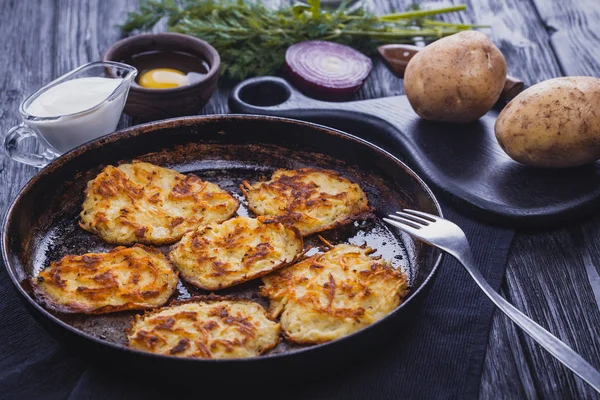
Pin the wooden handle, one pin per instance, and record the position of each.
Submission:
(512, 87)
(397, 57)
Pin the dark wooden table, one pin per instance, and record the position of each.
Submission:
(552, 275)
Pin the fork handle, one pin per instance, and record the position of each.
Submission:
(556, 347)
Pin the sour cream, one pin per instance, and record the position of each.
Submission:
(73, 112)
(73, 96)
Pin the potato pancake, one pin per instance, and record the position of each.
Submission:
(206, 329)
(218, 256)
(134, 278)
(331, 295)
(144, 203)
(312, 200)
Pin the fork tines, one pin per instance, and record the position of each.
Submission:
(412, 218)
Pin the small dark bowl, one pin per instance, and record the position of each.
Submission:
(151, 104)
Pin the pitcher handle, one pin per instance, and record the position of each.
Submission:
(12, 142)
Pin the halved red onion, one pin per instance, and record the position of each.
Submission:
(327, 70)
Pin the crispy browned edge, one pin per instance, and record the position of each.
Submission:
(148, 242)
(256, 275)
(47, 301)
(210, 298)
(314, 342)
(360, 215)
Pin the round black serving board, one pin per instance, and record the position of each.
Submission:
(463, 162)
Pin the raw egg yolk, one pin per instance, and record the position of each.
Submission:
(162, 78)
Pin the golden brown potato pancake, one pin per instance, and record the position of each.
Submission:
(206, 329)
(218, 256)
(144, 203)
(331, 295)
(312, 200)
(134, 278)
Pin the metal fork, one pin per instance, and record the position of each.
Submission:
(449, 237)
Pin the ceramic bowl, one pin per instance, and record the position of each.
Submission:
(146, 104)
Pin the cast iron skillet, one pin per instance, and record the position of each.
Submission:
(41, 227)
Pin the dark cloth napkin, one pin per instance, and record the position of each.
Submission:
(439, 355)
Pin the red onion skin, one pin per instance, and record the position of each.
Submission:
(320, 91)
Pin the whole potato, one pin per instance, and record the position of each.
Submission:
(455, 79)
(553, 124)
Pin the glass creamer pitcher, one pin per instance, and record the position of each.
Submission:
(58, 134)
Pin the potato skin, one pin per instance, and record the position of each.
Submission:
(455, 79)
(553, 124)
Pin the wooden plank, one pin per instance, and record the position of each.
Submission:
(26, 64)
(575, 40)
(505, 377)
(509, 370)
(85, 30)
(524, 41)
(514, 28)
(588, 236)
(569, 284)
(515, 367)
(548, 277)
(573, 27)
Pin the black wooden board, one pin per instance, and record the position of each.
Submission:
(462, 161)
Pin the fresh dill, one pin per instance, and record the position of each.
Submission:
(252, 38)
